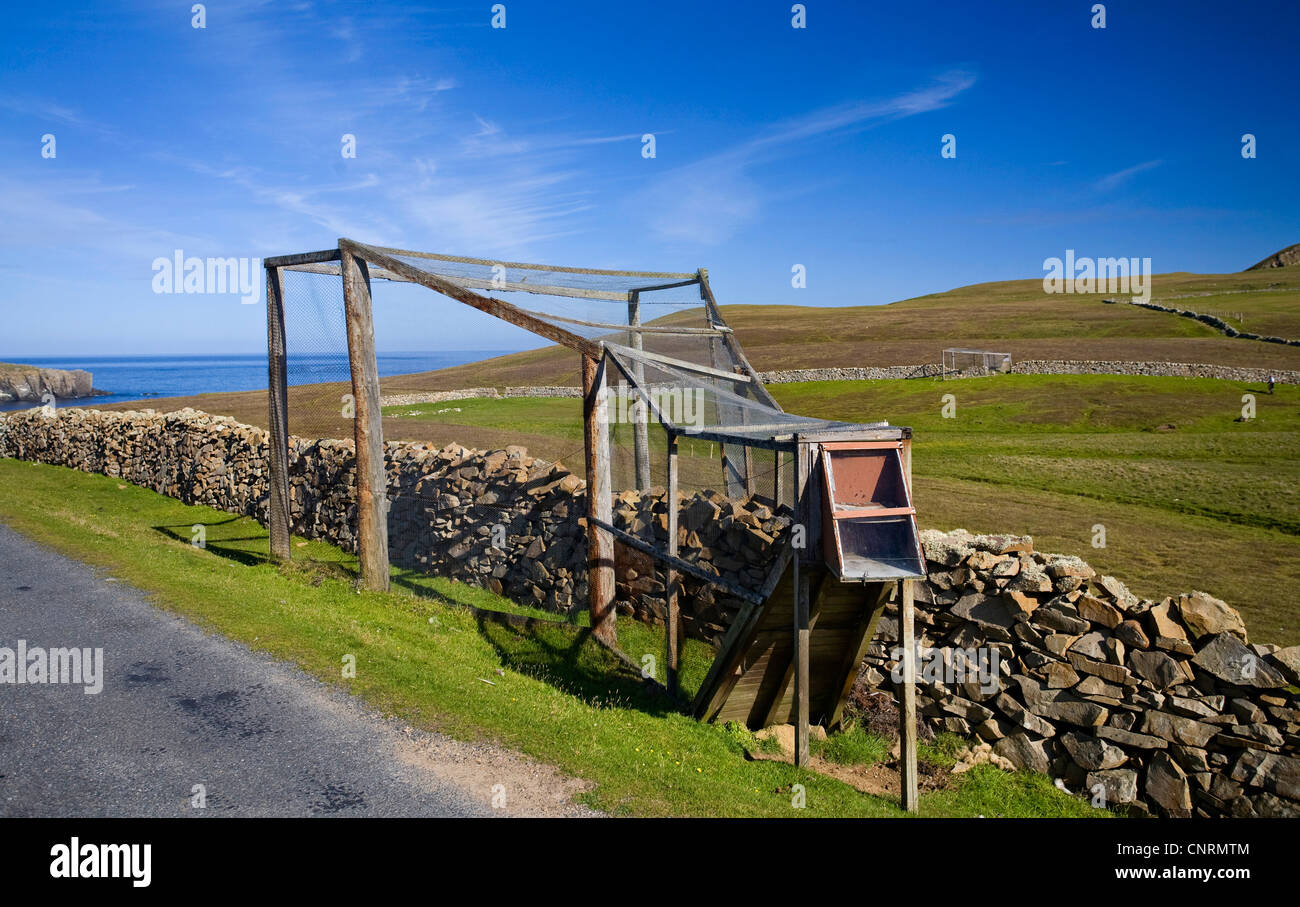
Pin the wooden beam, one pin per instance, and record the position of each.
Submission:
(600, 543)
(615, 327)
(682, 565)
(532, 266)
(368, 429)
(907, 709)
(749, 452)
(301, 258)
(498, 308)
(278, 509)
(733, 346)
(640, 426)
(686, 366)
(726, 437)
(671, 616)
(333, 269)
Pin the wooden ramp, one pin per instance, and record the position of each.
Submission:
(752, 678)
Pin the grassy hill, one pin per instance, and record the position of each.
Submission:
(1010, 316)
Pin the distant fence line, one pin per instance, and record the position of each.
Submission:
(1213, 321)
(905, 372)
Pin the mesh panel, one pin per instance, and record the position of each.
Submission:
(593, 305)
(316, 344)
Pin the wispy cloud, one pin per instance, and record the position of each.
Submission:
(1120, 177)
(709, 200)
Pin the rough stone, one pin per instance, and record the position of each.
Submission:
(1157, 668)
(1166, 784)
(1120, 785)
(1204, 615)
(1226, 657)
(1093, 753)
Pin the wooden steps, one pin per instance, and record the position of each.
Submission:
(752, 677)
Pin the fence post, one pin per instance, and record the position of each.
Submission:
(600, 544)
(368, 429)
(802, 756)
(907, 714)
(278, 516)
(671, 615)
(640, 427)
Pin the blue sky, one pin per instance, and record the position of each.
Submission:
(775, 146)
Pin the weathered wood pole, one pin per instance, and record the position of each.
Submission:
(801, 634)
(640, 427)
(368, 429)
(278, 516)
(600, 543)
(907, 714)
(671, 616)
(778, 458)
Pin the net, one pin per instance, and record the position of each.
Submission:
(962, 363)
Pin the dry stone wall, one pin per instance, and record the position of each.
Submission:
(498, 519)
(1166, 706)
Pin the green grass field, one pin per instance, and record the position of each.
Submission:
(420, 654)
(1190, 497)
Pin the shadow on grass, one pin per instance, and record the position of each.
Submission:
(223, 547)
(558, 650)
(569, 659)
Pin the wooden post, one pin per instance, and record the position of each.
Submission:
(671, 616)
(600, 544)
(906, 614)
(801, 634)
(368, 429)
(640, 428)
(907, 714)
(778, 458)
(278, 515)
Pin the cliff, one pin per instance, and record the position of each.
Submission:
(28, 382)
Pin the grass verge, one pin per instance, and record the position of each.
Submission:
(421, 655)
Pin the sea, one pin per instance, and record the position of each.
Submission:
(143, 378)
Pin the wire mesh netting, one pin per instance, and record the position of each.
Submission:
(674, 371)
(316, 344)
(962, 363)
(674, 365)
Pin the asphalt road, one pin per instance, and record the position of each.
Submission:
(182, 707)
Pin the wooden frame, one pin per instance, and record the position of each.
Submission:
(821, 607)
(278, 518)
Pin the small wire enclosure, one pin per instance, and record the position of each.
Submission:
(869, 523)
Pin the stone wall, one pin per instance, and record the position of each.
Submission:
(905, 372)
(1212, 320)
(1167, 706)
(1043, 367)
(1151, 370)
(498, 519)
(472, 393)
